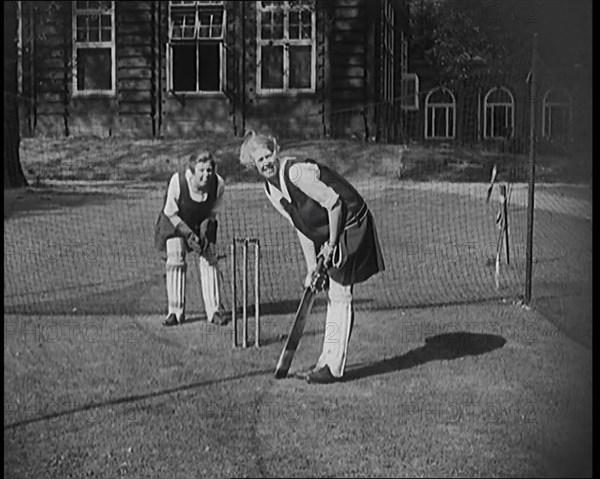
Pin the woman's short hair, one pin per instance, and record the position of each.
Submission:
(201, 157)
(256, 145)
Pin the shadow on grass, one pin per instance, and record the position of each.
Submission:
(20, 202)
(442, 347)
(137, 397)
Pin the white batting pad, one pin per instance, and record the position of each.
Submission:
(176, 276)
(340, 314)
(209, 279)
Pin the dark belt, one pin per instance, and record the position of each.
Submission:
(358, 217)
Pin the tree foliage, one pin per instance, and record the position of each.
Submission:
(456, 37)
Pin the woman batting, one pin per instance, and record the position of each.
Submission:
(330, 217)
(188, 222)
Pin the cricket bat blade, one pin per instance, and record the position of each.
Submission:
(291, 344)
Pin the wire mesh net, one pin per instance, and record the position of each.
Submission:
(86, 247)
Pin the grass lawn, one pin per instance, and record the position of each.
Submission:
(488, 390)
(122, 159)
(446, 375)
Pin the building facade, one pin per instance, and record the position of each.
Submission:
(306, 68)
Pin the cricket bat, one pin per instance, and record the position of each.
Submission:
(291, 344)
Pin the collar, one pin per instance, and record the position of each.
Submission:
(273, 190)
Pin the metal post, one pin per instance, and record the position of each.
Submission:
(532, 143)
(233, 302)
(245, 295)
(505, 221)
(256, 293)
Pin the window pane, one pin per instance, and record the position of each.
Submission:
(271, 68)
(306, 22)
(294, 25)
(217, 31)
(302, 5)
(300, 24)
(429, 125)
(440, 96)
(184, 67)
(557, 118)
(95, 21)
(488, 122)
(210, 66)
(94, 69)
(94, 35)
(300, 66)
(277, 24)
(498, 113)
(183, 25)
(210, 23)
(440, 122)
(265, 22)
(547, 121)
(409, 91)
(105, 35)
(498, 96)
(502, 120)
(272, 24)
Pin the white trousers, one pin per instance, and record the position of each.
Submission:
(338, 325)
(209, 278)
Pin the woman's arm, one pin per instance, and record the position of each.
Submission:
(171, 209)
(306, 176)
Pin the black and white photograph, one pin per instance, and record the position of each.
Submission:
(300, 238)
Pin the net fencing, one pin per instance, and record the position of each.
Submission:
(91, 252)
(75, 245)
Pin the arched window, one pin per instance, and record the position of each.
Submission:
(498, 113)
(556, 115)
(440, 114)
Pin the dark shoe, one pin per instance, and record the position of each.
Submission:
(303, 373)
(172, 320)
(321, 376)
(219, 320)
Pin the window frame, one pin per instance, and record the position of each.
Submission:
(565, 104)
(99, 44)
(404, 98)
(487, 105)
(285, 42)
(195, 42)
(388, 27)
(440, 106)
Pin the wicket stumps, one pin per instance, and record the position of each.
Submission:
(245, 242)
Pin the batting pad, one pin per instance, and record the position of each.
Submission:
(176, 276)
(340, 315)
(209, 279)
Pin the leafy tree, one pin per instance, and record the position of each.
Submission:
(457, 37)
